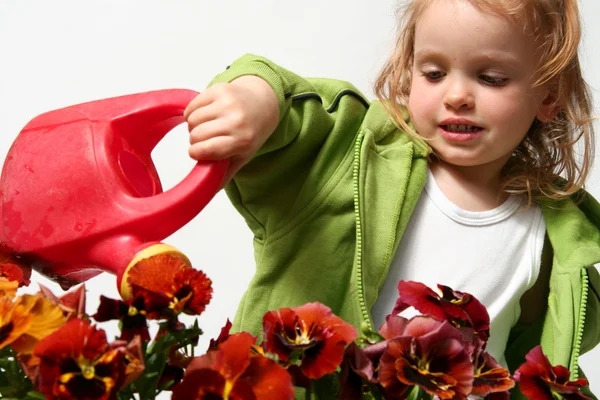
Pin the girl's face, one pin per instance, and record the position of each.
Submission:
(471, 91)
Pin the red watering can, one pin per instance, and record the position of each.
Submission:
(81, 195)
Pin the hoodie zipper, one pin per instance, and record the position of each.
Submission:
(574, 367)
(359, 272)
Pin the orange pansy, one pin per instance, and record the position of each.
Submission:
(26, 320)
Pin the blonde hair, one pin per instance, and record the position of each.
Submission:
(545, 164)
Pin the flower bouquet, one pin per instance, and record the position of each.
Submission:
(50, 348)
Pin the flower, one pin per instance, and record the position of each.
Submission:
(538, 379)
(429, 354)
(166, 275)
(461, 309)
(72, 303)
(223, 335)
(489, 377)
(12, 267)
(26, 320)
(356, 367)
(313, 332)
(11, 278)
(8, 288)
(77, 362)
(133, 358)
(132, 314)
(235, 371)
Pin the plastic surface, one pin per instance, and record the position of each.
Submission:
(80, 193)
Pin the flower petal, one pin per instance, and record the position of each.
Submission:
(537, 377)
(393, 326)
(491, 377)
(200, 287)
(268, 379)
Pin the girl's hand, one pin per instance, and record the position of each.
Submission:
(232, 120)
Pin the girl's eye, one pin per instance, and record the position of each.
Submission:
(433, 76)
(493, 80)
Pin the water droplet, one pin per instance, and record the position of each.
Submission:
(79, 227)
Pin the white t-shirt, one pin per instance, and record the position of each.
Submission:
(494, 255)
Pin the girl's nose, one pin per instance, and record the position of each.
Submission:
(459, 95)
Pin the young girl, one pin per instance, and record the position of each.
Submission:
(464, 173)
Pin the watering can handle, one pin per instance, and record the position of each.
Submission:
(146, 118)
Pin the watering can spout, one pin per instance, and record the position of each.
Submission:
(79, 189)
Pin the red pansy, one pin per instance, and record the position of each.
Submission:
(538, 379)
(461, 309)
(165, 275)
(429, 354)
(235, 371)
(313, 332)
(77, 362)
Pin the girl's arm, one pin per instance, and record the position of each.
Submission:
(288, 152)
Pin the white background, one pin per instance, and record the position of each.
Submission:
(58, 53)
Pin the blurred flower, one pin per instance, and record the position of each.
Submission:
(313, 333)
(12, 267)
(538, 379)
(76, 362)
(8, 288)
(429, 354)
(235, 371)
(26, 320)
(72, 303)
(461, 309)
(11, 278)
(165, 275)
(133, 358)
(131, 313)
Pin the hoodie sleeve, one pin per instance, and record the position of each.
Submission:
(318, 123)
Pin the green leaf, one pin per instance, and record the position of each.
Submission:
(13, 381)
(327, 387)
(418, 394)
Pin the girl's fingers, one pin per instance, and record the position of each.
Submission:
(201, 100)
(209, 130)
(202, 115)
(215, 148)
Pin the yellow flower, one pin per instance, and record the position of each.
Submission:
(8, 288)
(26, 320)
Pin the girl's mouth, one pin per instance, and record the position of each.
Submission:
(455, 128)
(460, 132)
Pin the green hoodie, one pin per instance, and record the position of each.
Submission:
(329, 196)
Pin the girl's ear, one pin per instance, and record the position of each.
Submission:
(549, 108)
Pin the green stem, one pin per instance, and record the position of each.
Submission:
(308, 393)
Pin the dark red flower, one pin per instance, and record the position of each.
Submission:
(223, 335)
(131, 313)
(76, 362)
(538, 379)
(429, 354)
(168, 276)
(461, 309)
(236, 372)
(356, 369)
(313, 332)
(133, 358)
(490, 377)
